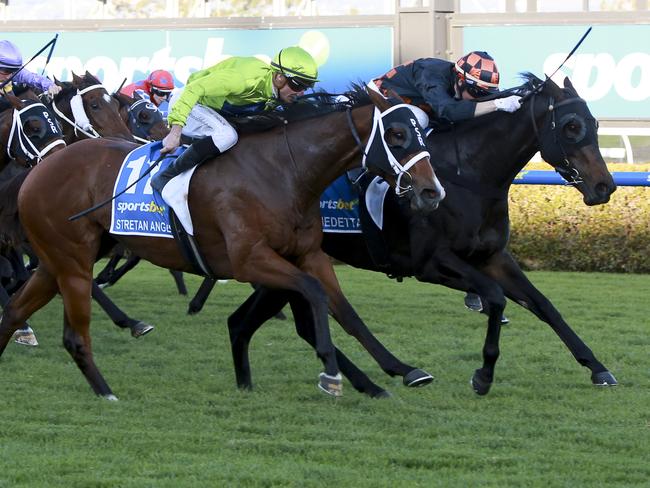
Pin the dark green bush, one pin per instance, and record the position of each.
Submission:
(552, 229)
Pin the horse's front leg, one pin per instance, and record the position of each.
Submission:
(264, 266)
(348, 318)
(505, 270)
(449, 270)
(264, 304)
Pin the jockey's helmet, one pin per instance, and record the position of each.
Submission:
(478, 72)
(161, 82)
(298, 66)
(10, 57)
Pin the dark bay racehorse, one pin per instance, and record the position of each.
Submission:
(463, 244)
(143, 119)
(28, 133)
(255, 217)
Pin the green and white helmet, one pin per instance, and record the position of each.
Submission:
(298, 66)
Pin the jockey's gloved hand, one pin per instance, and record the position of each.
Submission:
(53, 90)
(508, 104)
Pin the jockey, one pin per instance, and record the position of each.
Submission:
(447, 91)
(233, 85)
(444, 93)
(157, 87)
(11, 61)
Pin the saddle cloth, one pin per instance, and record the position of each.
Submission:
(339, 204)
(142, 211)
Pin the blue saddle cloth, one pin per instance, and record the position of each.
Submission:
(140, 210)
(339, 207)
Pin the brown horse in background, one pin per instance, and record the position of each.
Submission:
(256, 217)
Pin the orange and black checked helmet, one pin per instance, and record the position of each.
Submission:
(478, 71)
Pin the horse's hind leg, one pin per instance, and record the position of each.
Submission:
(75, 291)
(261, 306)
(244, 322)
(36, 293)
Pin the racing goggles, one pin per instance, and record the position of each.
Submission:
(7, 71)
(161, 93)
(298, 84)
(476, 91)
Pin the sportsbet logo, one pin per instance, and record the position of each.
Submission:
(596, 75)
(150, 207)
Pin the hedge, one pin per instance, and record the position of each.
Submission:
(552, 229)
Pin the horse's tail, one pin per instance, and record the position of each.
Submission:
(11, 231)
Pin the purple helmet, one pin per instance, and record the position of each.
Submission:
(10, 56)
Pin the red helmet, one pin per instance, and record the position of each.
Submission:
(479, 73)
(161, 80)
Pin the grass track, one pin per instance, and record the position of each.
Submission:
(181, 422)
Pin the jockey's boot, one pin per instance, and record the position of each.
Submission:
(194, 155)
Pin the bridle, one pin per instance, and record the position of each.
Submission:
(552, 143)
(81, 122)
(140, 105)
(49, 131)
(376, 153)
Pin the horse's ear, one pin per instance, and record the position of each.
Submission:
(76, 80)
(89, 76)
(14, 100)
(395, 95)
(378, 100)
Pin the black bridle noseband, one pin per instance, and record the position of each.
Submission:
(551, 137)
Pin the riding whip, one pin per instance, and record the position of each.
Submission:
(13, 75)
(575, 48)
(105, 202)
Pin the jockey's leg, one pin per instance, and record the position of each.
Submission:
(215, 135)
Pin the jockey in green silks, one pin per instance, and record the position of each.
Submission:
(231, 86)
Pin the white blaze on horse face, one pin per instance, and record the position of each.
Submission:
(106, 97)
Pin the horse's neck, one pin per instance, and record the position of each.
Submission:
(497, 150)
(328, 148)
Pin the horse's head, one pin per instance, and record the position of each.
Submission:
(28, 130)
(397, 151)
(568, 139)
(85, 106)
(145, 121)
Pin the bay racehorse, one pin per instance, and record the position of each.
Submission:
(463, 245)
(86, 110)
(255, 217)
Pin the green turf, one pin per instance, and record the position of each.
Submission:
(181, 422)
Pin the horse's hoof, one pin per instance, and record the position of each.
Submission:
(332, 385)
(417, 377)
(140, 329)
(383, 394)
(25, 337)
(604, 378)
(480, 385)
(110, 397)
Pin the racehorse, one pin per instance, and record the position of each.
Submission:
(29, 132)
(255, 216)
(463, 244)
(86, 110)
(143, 119)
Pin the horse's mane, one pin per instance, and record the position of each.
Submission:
(309, 106)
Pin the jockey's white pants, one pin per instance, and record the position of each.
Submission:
(204, 121)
